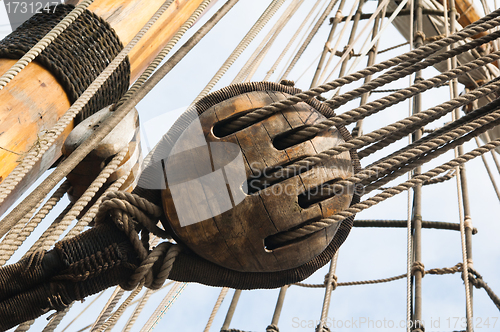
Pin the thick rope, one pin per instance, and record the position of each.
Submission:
(380, 104)
(429, 150)
(56, 320)
(16, 237)
(25, 326)
(128, 211)
(416, 120)
(108, 308)
(385, 102)
(92, 212)
(83, 311)
(403, 61)
(11, 245)
(43, 43)
(83, 201)
(117, 314)
(356, 208)
(142, 302)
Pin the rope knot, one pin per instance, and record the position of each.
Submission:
(272, 328)
(419, 34)
(418, 266)
(334, 281)
(135, 215)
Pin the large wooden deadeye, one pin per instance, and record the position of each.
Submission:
(223, 199)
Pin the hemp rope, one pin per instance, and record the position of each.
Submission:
(390, 192)
(128, 102)
(416, 265)
(396, 97)
(56, 320)
(85, 220)
(260, 51)
(418, 119)
(137, 311)
(108, 308)
(218, 302)
(83, 201)
(403, 223)
(483, 124)
(9, 245)
(403, 61)
(16, 237)
(117, 314)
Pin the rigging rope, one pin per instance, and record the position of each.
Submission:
(291, 41)
(401, 62)
(380, 104)
(256, 28)
(16, 237)
(218, 302)
(257, 56)
(310, 37)
(356, 208)
(67, 165)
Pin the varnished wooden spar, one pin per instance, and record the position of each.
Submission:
(34, 100)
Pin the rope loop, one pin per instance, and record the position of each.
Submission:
(133, 214)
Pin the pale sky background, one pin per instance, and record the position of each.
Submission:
(368, 253)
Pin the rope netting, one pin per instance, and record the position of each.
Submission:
(137, 218)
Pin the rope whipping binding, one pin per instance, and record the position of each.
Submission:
(43, 43)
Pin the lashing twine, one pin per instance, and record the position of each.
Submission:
(132, 215)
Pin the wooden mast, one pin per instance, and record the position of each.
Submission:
(34, 100)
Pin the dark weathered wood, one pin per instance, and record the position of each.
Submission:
(231, 230)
